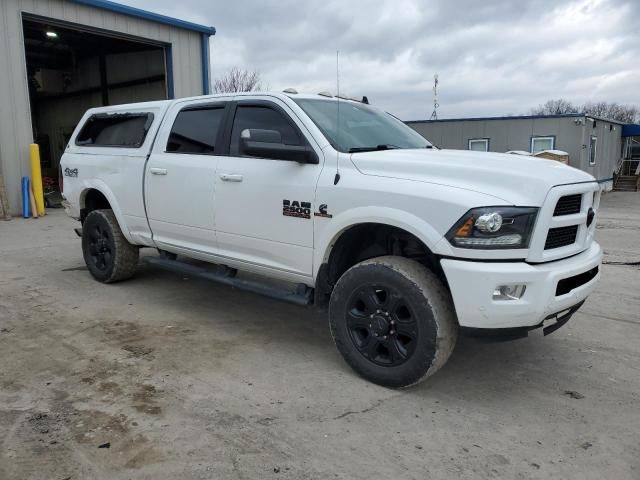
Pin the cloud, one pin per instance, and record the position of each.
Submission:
(494, 57)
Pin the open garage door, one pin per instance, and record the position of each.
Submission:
(71, 69)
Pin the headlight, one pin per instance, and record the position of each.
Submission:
(494, 227)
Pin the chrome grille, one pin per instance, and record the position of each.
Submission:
(568, 205)
(561, 237)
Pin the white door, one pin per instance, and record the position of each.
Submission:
(264, 207)
(180, 177)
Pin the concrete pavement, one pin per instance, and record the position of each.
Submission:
(178, 378)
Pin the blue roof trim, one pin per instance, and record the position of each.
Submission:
(631, 130)
(145, 15)
(515, 117)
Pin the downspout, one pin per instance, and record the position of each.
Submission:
(168, 61)
(584, 154)
(206, 65)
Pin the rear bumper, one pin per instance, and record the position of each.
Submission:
(473, 283)
(71, 210)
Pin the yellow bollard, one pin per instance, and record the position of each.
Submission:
(36, 177)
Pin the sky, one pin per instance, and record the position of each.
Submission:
(492, 57)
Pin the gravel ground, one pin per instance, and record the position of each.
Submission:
(165, 377)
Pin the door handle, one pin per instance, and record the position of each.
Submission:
(230, 177)
(158, 171)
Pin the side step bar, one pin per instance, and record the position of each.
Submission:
(302, 296)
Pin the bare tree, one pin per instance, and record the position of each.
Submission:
(613, 111)
(238, 80)
(608, 110)
(555, 107)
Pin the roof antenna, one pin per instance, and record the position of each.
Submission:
(336, 179)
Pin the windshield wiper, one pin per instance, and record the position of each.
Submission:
(384, 146)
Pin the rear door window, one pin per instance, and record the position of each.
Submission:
(115, 130)
(195, 130)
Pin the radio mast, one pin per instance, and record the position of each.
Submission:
(434, 115)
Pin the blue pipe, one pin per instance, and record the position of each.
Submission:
(25, 197)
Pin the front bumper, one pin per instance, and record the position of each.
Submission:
(472, 285)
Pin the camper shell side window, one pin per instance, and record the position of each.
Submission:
(127, 130)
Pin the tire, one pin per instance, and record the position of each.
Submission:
(108, 255)
(415, 332)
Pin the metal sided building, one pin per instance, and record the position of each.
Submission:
(60, 57)
(593, 144)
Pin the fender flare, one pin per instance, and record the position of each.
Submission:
(100, 186)
(371, 214)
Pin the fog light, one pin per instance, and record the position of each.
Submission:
(509, 292)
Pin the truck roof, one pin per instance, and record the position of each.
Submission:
(163, 104)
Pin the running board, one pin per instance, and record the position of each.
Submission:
(302, 296)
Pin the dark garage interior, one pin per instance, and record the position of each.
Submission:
(71, 69)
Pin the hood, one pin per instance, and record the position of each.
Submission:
(516, 179)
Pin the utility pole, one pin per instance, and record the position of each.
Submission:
(434, 114)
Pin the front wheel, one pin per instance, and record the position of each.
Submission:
(108, 255)
(393, 321)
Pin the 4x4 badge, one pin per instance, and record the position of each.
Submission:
(322, 211)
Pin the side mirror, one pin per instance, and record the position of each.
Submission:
(268, 144)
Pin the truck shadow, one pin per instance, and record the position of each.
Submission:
(486, 372)
(496, 370)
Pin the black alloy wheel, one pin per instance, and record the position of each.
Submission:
(381, 325)
(107, 253)
(100, 247)
(393, 320)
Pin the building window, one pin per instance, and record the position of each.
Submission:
(538, 144)
(593, 149)
(479, 144)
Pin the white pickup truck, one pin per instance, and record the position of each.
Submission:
(404, 242)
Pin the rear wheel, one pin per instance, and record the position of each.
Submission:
(392, 320)
(108, 255)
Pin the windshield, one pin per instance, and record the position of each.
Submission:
(362, 128)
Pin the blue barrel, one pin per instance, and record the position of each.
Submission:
(25, 197)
